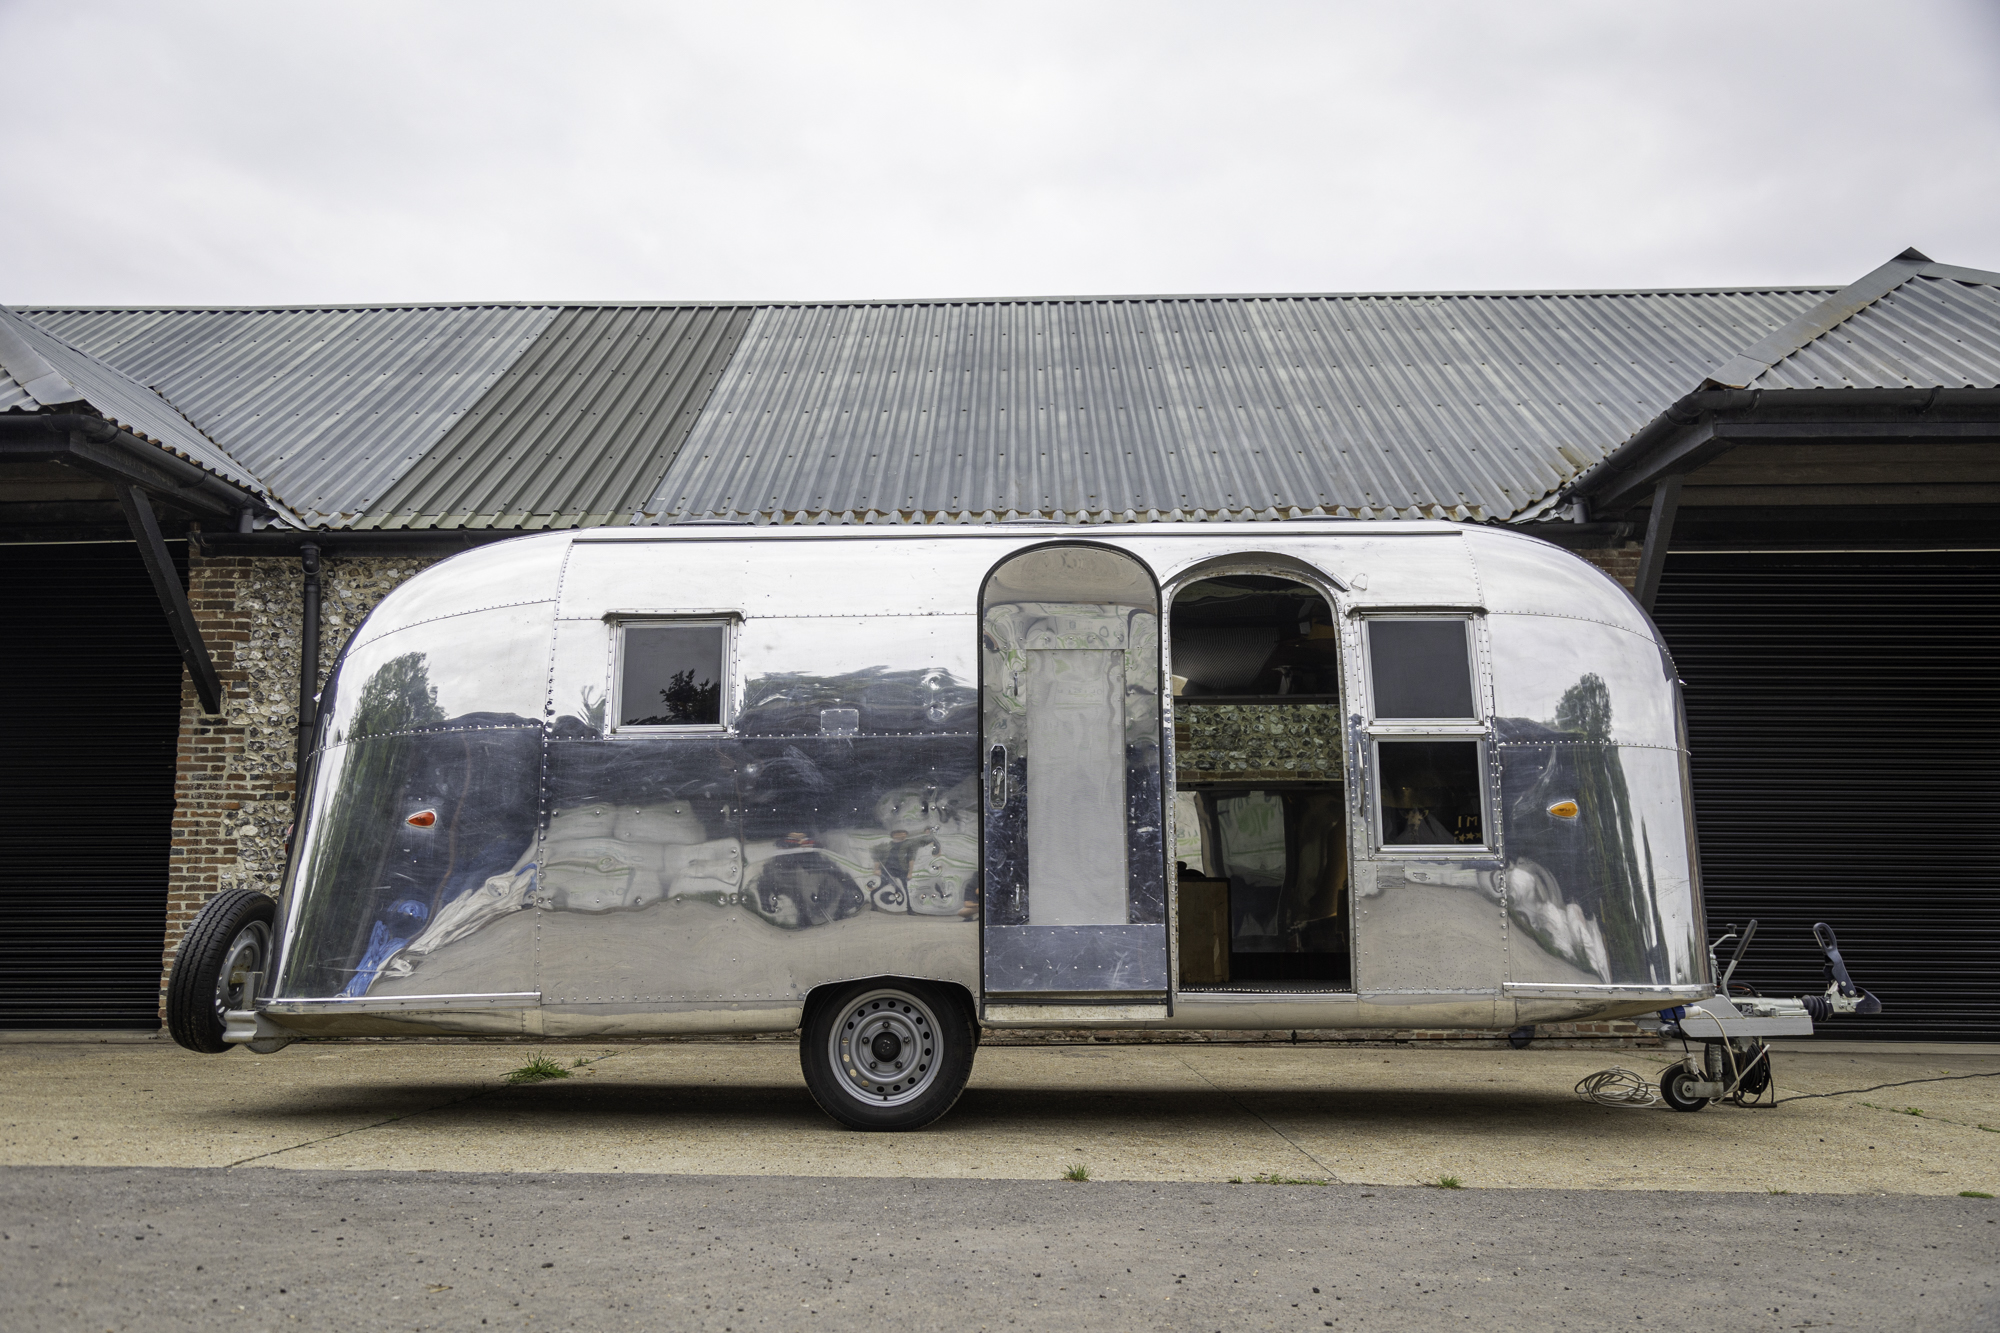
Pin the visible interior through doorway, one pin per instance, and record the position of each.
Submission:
(1259, 805)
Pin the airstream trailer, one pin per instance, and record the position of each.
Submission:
(890, 785)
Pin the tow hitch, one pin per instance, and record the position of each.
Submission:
(1734, 1063)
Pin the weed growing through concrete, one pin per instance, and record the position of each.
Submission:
(538, 1068)
(1269, 1179)
(1777, 1191)
(579, 1062)
(1446, 1183)
(1913, 1110)
(1077, 1172)
(1974, 1194)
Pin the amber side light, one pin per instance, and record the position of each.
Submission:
(426, 818)
(1561, 810)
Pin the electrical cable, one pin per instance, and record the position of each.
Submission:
(1848, 1092)
(1618, 1086)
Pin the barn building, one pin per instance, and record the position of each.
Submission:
(197, 505)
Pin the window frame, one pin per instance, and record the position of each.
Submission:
(730, 625)
(1477, 729)
(1477, 718)
(1378, 832)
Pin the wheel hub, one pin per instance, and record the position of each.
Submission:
(885, 1047)
(246, 954)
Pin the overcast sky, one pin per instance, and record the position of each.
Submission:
(248, 153)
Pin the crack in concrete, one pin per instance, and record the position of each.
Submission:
(1238, 1104)
(407, 1115)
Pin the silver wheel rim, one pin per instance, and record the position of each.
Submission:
(247, 953)
(885, 1047)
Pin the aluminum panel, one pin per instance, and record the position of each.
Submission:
(838, 578)
(1555, 676)
(508, 573)
(483, 668)
(418, 854)
(1526, 576)
(1604, 896)
(895, 674)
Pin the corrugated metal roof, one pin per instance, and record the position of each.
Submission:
(1927, 332)
(329, 407)
(1468, 406)
(580, 430)
(46, 370)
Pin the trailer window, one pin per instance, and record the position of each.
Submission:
(673, 673)
(1421, 668)
(1430, 793)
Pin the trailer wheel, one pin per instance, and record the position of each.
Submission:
(888, 1055)
(230, 936)
(1673, 1091)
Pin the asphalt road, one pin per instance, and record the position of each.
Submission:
(211, 1248)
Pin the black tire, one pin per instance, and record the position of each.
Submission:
(231, 934)
(1673, 1096)
(888, 1055)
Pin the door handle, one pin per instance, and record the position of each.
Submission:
(996, 777)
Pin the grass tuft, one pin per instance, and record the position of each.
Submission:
(538, 1068)
(1777, 1191)
(1913, 1110)
(1446, 1183)
(1974, 1194)
(1077, 1172)
(1269, 1179)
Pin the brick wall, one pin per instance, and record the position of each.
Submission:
(1620, 562)
(235, 774)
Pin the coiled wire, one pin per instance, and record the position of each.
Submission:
(1618, 1086)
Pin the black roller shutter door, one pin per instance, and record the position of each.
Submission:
(1844, 717)
(93, 687)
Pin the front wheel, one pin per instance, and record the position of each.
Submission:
(887, 1055)
(1675, 1087)
(230, 938)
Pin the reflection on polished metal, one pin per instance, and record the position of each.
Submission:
(1074, 864)
(929, 773)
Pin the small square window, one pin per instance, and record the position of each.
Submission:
(1421, 669)
(1430, 794)
(673, 673)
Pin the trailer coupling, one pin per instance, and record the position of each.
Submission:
(1734, 1063)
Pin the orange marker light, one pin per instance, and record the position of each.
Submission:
(1561, 810)
(426, 818)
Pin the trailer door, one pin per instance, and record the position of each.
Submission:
(1074, 873)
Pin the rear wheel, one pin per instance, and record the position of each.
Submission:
(887, 1055)
(1676, 1089)
(230, 938)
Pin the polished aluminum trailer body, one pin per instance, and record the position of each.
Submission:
(947, 754)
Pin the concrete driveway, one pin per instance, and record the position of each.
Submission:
(1186, 1112)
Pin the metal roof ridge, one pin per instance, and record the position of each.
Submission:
(1743, 369)
(301, 307)
(100, 390)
